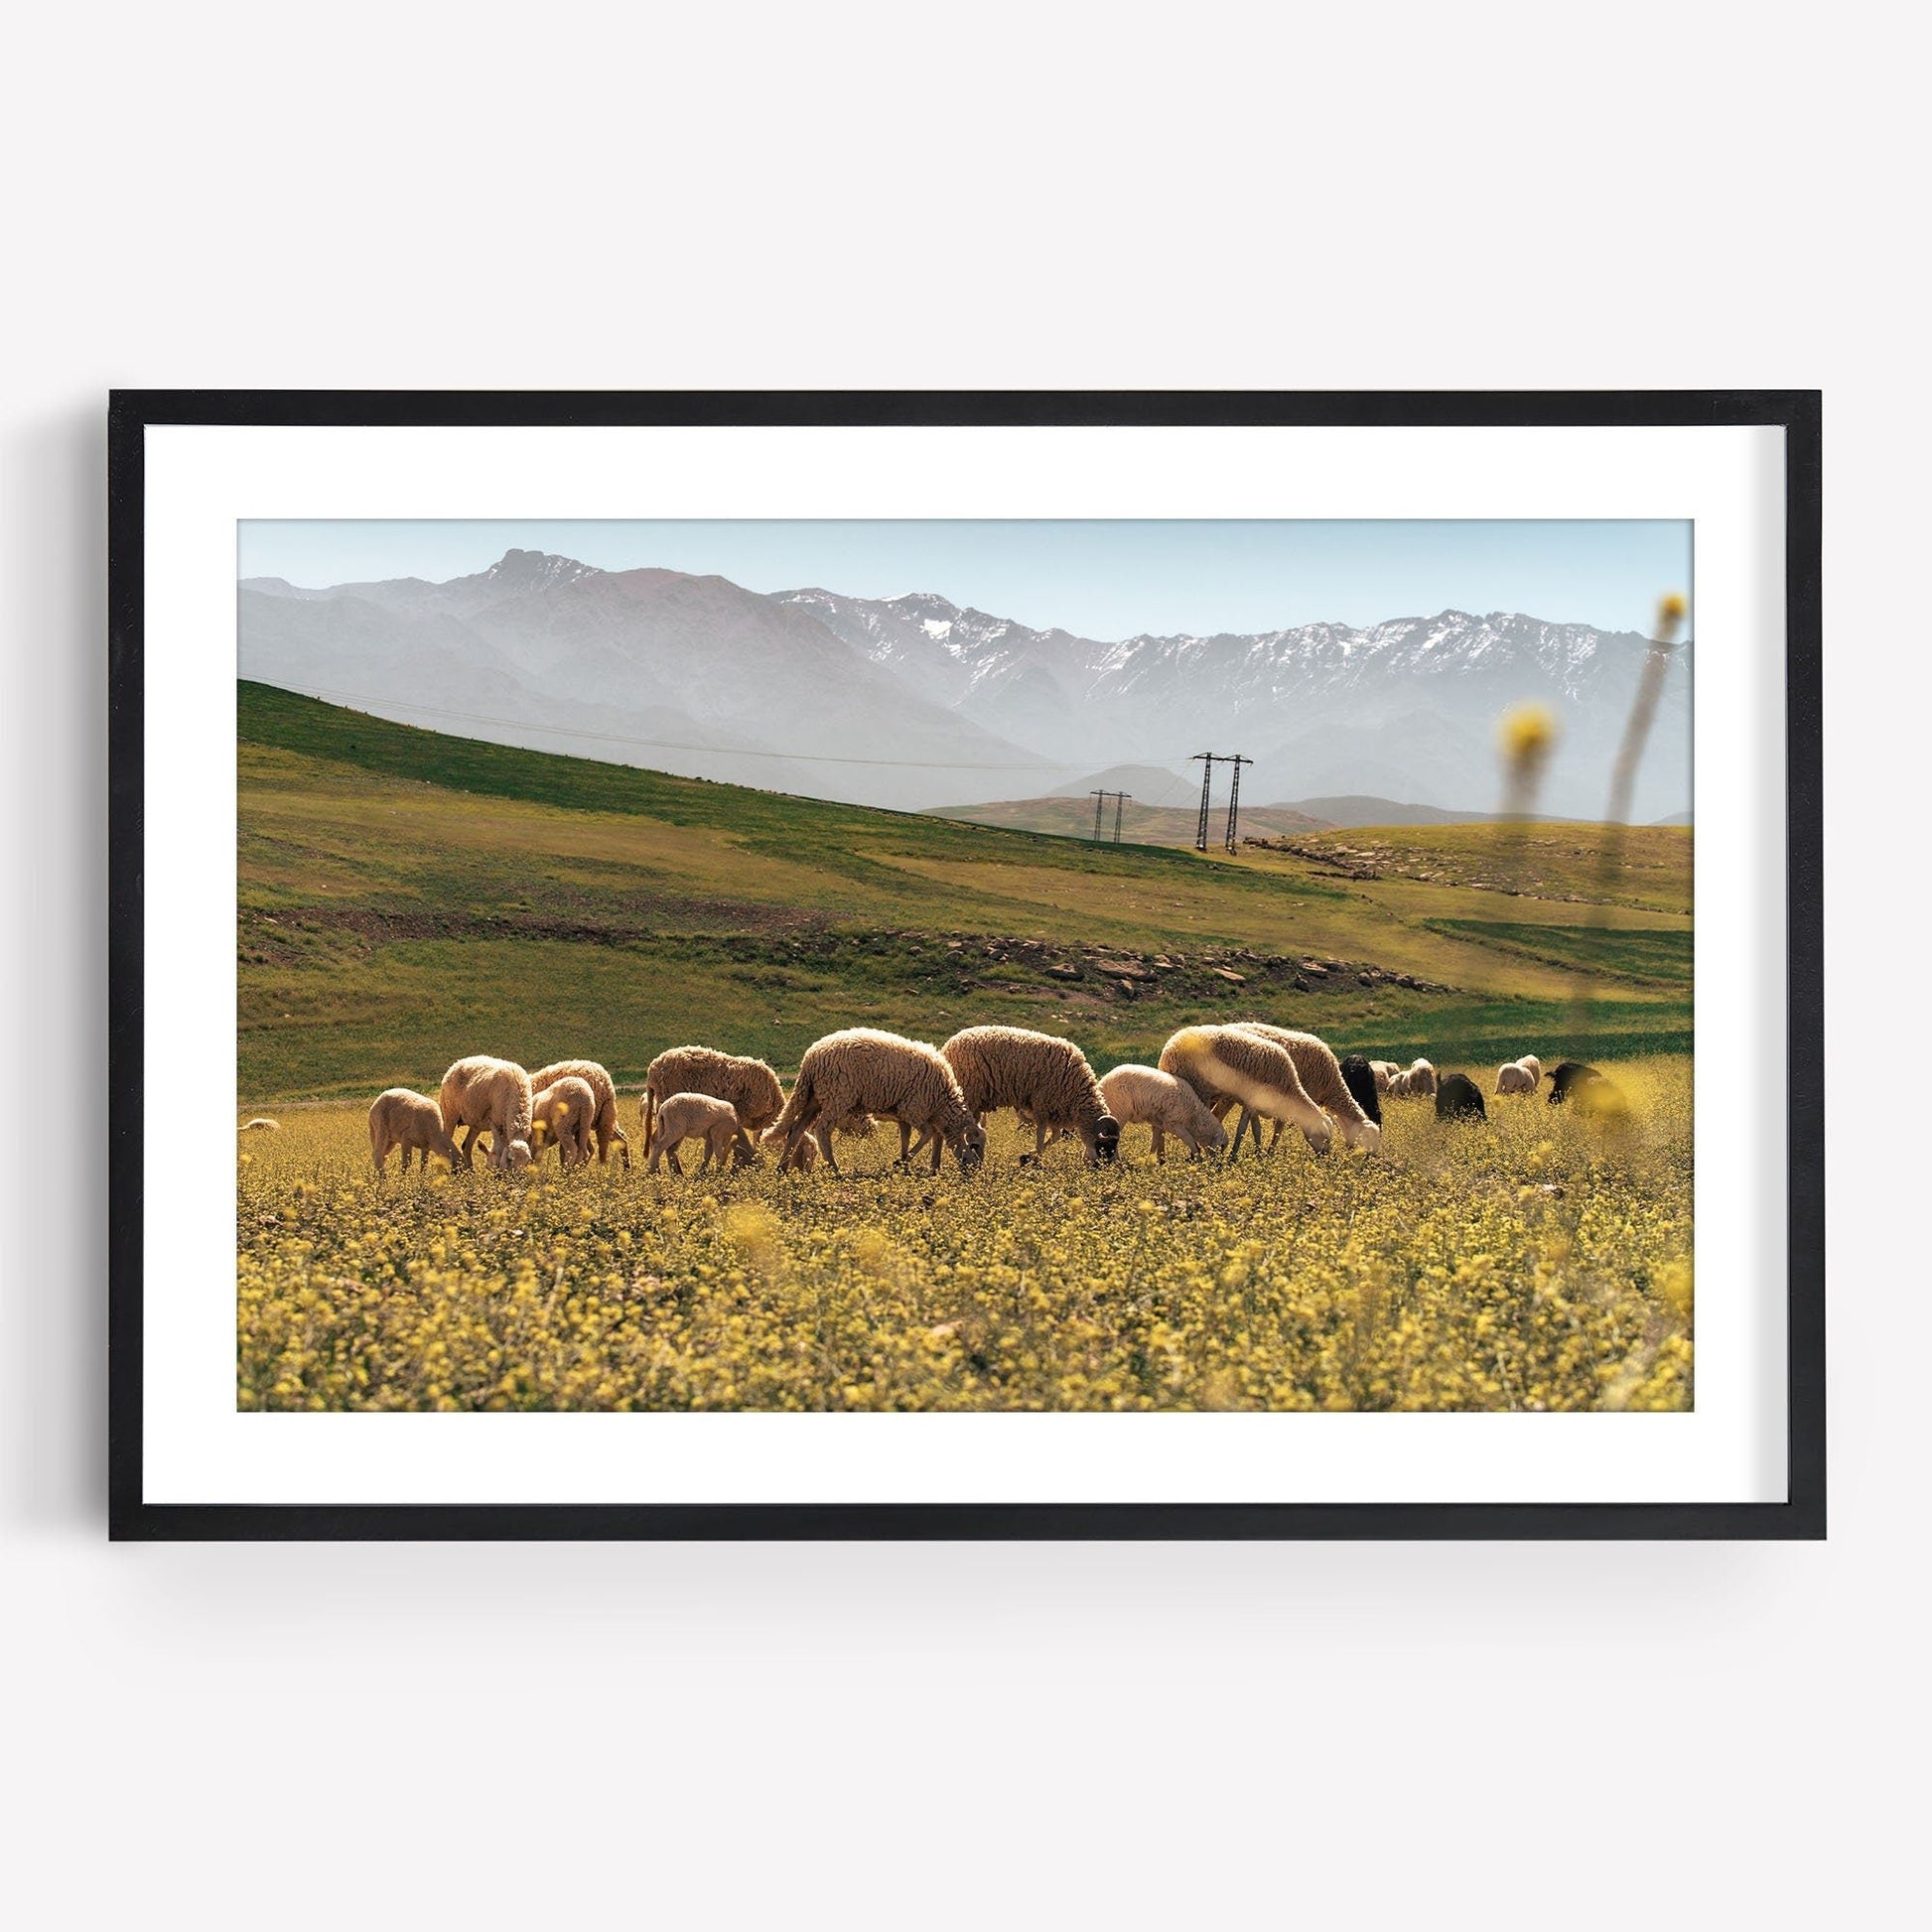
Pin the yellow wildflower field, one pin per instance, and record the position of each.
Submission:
(1541, 1261)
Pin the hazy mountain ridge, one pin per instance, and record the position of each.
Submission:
(925, 698)
(1406, 709)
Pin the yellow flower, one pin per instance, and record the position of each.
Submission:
(1527, 733)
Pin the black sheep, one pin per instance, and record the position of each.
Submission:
(1567, 1075)
(1458, 1097)
(1359, 1078)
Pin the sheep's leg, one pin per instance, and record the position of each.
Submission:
(380, 1150)
(1039, 1139)
(905, 1148)
(1275, 1137)
(1160, 1145)
(1240, 1128)
(624, 1146)
(670, 1154)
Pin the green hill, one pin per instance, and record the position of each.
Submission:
(406, 897)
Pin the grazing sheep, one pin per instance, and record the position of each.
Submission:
(1567, 1075)
(1385, 1072)
(863, 1071)
(1514, 1078)
(1047, 1079)
(261, 1124)
(699, 1115)
(1420, 1080)
(412, 1122)
(1321, 1080)
(749, 1085)
(1458, 1097)
(1534, 1065)
(494, 1097)
(1359, 1076)
(1144, 1096)
(604, 1091)
(564, 1111)
(1230, 1063)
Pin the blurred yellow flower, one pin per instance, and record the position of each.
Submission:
(1527, 733)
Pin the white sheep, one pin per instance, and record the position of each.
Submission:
(1385, 1072)
(563, 1110)
(1517, 1076)
(749, 1085)
(1415, 1081)
(604, 1091)
(699, 1115)
(1231, 1062)
(1144, 1096)
(1045, 1078)
(261, 1124)
(1322, 1081)
(490, 1096)
(413, 1122)
(862, 1070)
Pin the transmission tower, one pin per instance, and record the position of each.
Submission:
(1208, 761)
(1100, 798)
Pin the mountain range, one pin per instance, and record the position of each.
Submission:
(915, 701)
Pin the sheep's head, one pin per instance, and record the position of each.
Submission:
(519, 1155)
(970, 1146)
(1213, 1136)
(743, 1154)
(1106, 1139)
(1368, 1137)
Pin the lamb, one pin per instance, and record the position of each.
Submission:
(261, 1124)
(412, 1122)
(1229, 1062)
(1567, 1075)
(1144, 1096)
(604, 1091)
(1321, 1080)
(1046, 1078)
(749, 1085)
(1515, 1076)
(699, 1115)
(1385, 1072)
(494, 1097)
(863, 1071)
(565, 1111)
(1458, 1097)
(1420, 1078)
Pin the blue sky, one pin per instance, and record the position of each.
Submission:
(1105, 580)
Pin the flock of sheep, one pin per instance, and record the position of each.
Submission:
(937, 1097)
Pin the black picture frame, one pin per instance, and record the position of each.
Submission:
(1797, 412)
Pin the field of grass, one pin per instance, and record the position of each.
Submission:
(406, 897)
(1541, 1261)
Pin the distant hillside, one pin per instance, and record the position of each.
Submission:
(1176, 825)
(1358, 808)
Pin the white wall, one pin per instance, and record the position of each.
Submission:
(480, 195)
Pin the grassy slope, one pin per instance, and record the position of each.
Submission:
(407, 896)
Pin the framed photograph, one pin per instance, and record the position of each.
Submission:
(966, 965)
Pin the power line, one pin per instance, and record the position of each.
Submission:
(359, 700)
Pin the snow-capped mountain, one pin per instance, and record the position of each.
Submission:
(1406, 708)
(915, 701)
